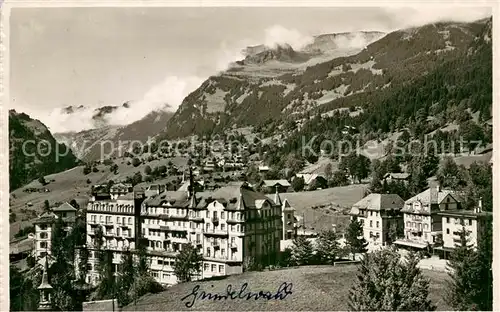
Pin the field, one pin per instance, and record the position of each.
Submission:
(322, 208)
(321, 288)
(71, 184)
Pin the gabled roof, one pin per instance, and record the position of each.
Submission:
(397, 176)
(272, 183)
(378, 202)
(425, 196)
(308, 177)
(64, 207)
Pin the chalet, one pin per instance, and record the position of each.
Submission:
(269, 186)
(397, 177)
(313, 178)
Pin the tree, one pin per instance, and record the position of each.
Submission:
(329, 171)
(42, 181)
(395, 232)
(471, 282)
(298, 184)
(354, 238)
(113, 168)
(448, 173)
(136, 162)
(385, 283)
(302, 251)
(339, 179)
(87, 169)
(327, 247)
(126, 276)
(74, 203)
(147, 170)
(46, 205)
(187, 263)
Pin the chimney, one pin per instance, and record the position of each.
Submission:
(434, 190)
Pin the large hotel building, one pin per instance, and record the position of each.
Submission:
(227, 226)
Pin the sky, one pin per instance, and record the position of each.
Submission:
(153, 56)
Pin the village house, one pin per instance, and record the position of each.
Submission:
(377, 213)
(422, 221)
(311, 179)
(397, 177)
(269, 186)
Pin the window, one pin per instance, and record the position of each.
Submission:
(221, 268)
(232, 227)
(222, 215)
(43, 235)
(288, 216)
(129, 220)
(371, 223)
(223, 252)
(470, 221)
(43, 244)
(206, 266)
(447, 231)
(214, 267)
(223, 227)
(160, 262)
(233, 240)
(371, 234)
(89, 266)
(166, 276)
(378, 224)
(447, 220)
(208, 252)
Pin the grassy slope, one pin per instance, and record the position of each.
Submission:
(323, 288)
(323, 217)
(70, 184)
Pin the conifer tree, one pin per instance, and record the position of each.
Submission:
(302, 251)
(355, 241)
(385, 282)
(328, 247)
(187, 263)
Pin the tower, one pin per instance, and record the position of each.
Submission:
(45, 289)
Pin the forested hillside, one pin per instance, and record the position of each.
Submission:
(33, 151)
(380, 73)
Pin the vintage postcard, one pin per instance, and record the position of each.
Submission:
(301, 157)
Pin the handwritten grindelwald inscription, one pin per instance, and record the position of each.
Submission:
(197, 293)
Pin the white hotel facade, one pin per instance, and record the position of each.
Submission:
(227, 226)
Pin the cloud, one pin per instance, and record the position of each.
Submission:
(278, 34)
(418, 16)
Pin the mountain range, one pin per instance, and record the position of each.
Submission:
(271, 86)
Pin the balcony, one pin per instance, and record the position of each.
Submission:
(165, 228)
(216, 233)
(173, 217)
(215, 220)
(215, 244)
(198, 243)
(196, 219)
(234, 246)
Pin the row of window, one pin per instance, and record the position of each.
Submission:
(458, 220)
(108, 219)
(213, 268)
(418, 226)
(113, 208)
